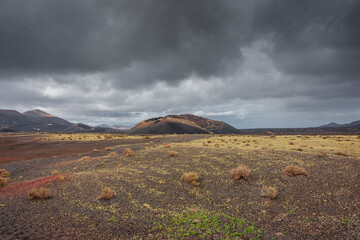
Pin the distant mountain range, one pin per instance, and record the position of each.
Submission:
(37, 120)
(354, 124)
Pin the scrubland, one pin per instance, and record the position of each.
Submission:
(181, 187)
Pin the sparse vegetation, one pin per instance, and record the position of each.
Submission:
(55, 172)
(341, 154)
(112, 154)
(270, 192)
(240, 172)
(191, 178)
(95, 150)
(173, 153)
(3, 181)
(128, 152)
(108, 148)
(294, 170)
(85, 158)
(321, 154)
(39, 193)
(4, 173)
(106, 194)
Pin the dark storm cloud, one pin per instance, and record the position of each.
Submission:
(312, 37)
(143, 41)
(229, 59)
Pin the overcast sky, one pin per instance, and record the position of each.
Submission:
(253, 64)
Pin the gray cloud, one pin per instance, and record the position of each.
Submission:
(252, 63)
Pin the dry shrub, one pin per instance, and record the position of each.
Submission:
(55, 172)
(204, 144)
(128, 152)
(85, 158)
(191, 178)
(119, 166)
(321, 154)
(146, 144)
(40, 193)
(209, 141)
(217, 145)
(107, 194)
(95, 150)
(147, 137)
(37, 139)
(269, 192)
(173, 153)
(248, 144)
(294, 170)
(291, 143)
(112, 154)
(240, 172)
(269, 133)
(62, 177)
(108, 148)
(340, 154)
(4, 173)
(167, 146)
(3, 181)
(300, 149)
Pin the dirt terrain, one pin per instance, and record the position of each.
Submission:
(152, 203)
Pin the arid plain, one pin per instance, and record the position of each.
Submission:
(93, 188)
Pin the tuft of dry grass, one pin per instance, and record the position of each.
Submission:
(37, 139)
(108, 148)
(40, 193)
(95, 150)
(107, 194)
(321, 154)
(269, 192)
(173, 153)
(191, 178)
(146, 144)
(147, 137)
(62, 177)
(128, 152)
(119, 166)
(4, 173)
(3, 181)
(291, 143)
(55, 172)
(167, 146)
(294, 170)
(240, 172)
(85, 158)
(112, 154)
(341, 154)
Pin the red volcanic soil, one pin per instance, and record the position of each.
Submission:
(18, 148)
(25, 186)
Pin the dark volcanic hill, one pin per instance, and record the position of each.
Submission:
(355, 124)
(185, 123)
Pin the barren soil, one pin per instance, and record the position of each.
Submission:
(149, 195)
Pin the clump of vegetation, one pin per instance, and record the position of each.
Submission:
(55, 172)
(204, 224)
(146, 144)
(191, 178)
(128, 152)
(41, 193)
(112, 154)
(85, 158)
(4, 173)
(341, 154)
(291, 143)
(294, 170)
(37, 139)
(62, 177)
(167, 146)
(147, 137)
(95, 150)
(119, 166)
(240, 172)
(107, 194)
(108, 148)
(173, 153)
(270, 192)
(321, 154)
(3, 181)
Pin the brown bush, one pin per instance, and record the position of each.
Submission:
(95, 150)
(37, 139)
(321, 154)
(62, 177)
(108, 148)
(40, 193)
(248, 144)
(294, 170)
(167, 146)
(270, 192)
(107, 194)
(173, 153)
(147, 137)
(4, 173)
(340, 154)
(191, 178)
(55, 172)
(128, 152)
(85, 158)
(119, 166)
(112, 154)
(291, 143)
(240, 172)
(146, 144)
(3, 181)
